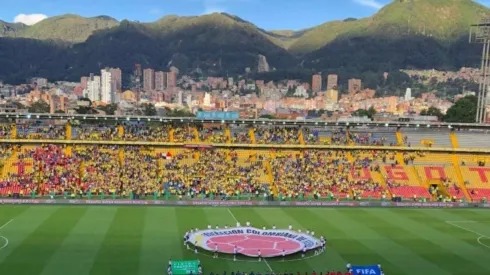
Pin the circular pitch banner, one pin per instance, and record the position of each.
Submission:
(249, 240)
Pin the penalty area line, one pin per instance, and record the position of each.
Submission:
(480, 236)
(265, 261)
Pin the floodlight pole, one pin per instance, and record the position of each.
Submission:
(480, 34)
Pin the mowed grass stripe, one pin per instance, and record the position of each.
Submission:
(405, 248)
(307, 220)
(31, 256)
(426, 227)
(9, 213)
(345, 240)
(120, 249)
(472, 221)
(406, 262)
(161, 240)
(432, 244)
(22, 227)
(78, 251)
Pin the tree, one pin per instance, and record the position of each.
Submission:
(268, 116)
(463, 111)
(432, 111)
(149, 109)
(108, 109)
(39, 107)
(363, 112)
(84, 110)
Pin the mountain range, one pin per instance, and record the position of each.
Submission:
(404, 34)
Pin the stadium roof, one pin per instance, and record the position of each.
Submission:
(278, 122)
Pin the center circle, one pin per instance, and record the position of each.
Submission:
(6, 242)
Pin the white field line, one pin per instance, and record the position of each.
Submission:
(480, 236)
(6, 242)
(1, 227)
(2, 237)
(265, 261)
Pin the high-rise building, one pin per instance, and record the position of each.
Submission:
(106, 86)
(83, 82)
(332, 96)
(332, 82)
(93, 88)
(148, 80)
(171, 79)
(316, 83)
(116, 75)
(354, 85)
(137, 75)
(160, 81)
(207, 99)
(408, 94)
(180, 97)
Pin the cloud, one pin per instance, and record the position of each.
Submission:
(29, 19)
(370, 3)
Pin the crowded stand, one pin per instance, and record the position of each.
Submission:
(219, 171)
(5, 131)
(213, 172)
(277, 135)
(213, 135)
(26, 131)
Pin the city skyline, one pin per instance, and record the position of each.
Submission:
(31, 11)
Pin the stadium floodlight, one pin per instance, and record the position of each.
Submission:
(428, 125)
(28, 116)
(48, 116)
(127, 118)
(284, 122)
(17, 116)
(386, 124)
(480, 34)
(449, 126)
(96, 118)
(316, 123)
(418, 125)
(222, 121)
(38, 116)
(347, 124)
(149, 119)
(161, 119)
(84, 117)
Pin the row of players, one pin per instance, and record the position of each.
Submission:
(248, 224)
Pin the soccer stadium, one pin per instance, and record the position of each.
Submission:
(150, 195)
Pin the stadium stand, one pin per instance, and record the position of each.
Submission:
(354, 163)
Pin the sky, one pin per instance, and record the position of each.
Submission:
(267, 14)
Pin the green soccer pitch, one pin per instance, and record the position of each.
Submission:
(60, 240)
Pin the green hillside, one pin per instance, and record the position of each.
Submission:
(10, 29)
(67, 28)
(444, 20)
